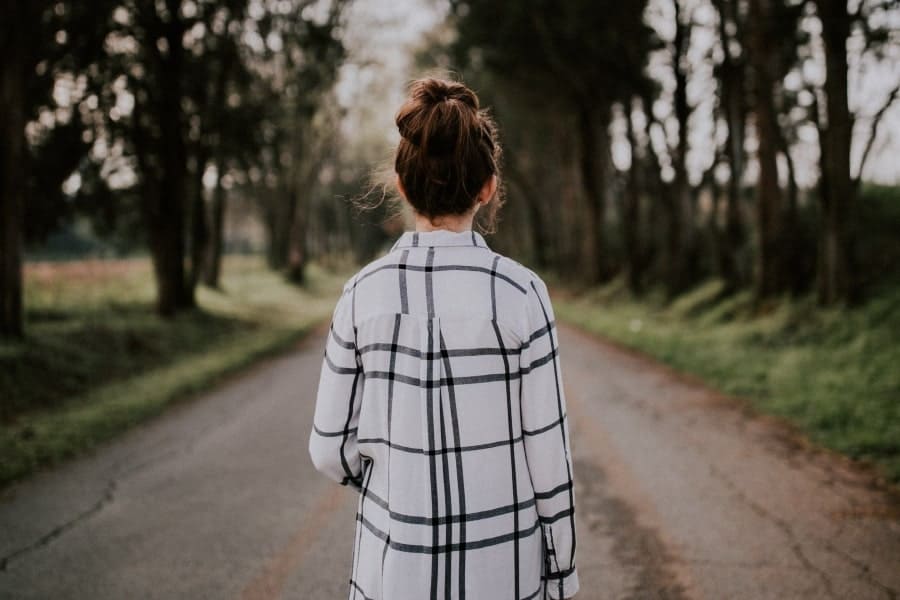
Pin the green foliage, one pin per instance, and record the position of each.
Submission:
(831, 372)
(879, 246)
(65, 42)
(580, 50)
(98, 360)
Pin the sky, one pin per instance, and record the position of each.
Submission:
(382, 36)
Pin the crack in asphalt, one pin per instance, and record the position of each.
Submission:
(59, 530)
(864, 570)
(781, 524)
(108, 494)
(106, 498)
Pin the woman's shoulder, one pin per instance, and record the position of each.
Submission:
(364, 272)
(525, 277)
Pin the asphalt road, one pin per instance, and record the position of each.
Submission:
(680, 494)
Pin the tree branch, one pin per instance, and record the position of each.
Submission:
(873, 131)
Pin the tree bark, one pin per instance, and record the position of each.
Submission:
(837, 282)
(731, 78)
(297, 251)
(770, 275)
(532, 202)
(212, 258)
(18, 19)
(873, 135)
(213, 262)
(632, 214)
(590, 127)
(199, 238)
(654, 256)
(680, 218)
(279, 220)
(165, 201)
(793, 249)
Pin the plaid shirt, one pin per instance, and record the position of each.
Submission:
(441, 401)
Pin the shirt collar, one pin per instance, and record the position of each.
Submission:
(440, 237)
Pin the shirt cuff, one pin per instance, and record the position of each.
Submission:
(562, 585)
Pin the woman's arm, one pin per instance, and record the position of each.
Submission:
(546, 439)
(333, 440)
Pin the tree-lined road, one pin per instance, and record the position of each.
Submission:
(680, 494)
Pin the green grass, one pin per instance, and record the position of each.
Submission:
(834, 373)
(98, 360)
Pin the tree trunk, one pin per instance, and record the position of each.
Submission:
(592, 180)
(297, 252)
(735, 111)
(680, 222)
(654, 241)
(631, 215)
(537, 226)
(13, 73)
(836, 278)
(199, 239)
(713, 224)
(279, 221)
(793, 248)
(770, 278)
(823, 190)
(212, 258)
(213, 263)
(167, 226)
(532, 203)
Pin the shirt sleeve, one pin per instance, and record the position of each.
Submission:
(333, 443)
(546, 440)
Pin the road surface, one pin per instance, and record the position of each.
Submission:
(681, 493)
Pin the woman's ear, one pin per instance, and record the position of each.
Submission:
(488, 190)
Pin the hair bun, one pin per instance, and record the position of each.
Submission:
(435, 91)
(439, 116)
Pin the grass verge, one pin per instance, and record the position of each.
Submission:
(97, 360)
(833, 372)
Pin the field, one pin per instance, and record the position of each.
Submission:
(833, 373)
(98, 360)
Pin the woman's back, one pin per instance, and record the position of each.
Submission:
(441, 401)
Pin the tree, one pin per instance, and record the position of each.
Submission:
(679, 203)
(295, 80)
(836, 279)
(731, 74)
(157, 75)
(771, 278)
(223, 109)
(17, 38)
(40, 49)
(631, 209)
(575, 57)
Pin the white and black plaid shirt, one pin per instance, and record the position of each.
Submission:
(441, 400)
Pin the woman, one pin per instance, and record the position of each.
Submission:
(441, 397)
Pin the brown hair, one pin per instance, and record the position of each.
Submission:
(448, 150)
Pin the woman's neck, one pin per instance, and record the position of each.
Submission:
(455, 223)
